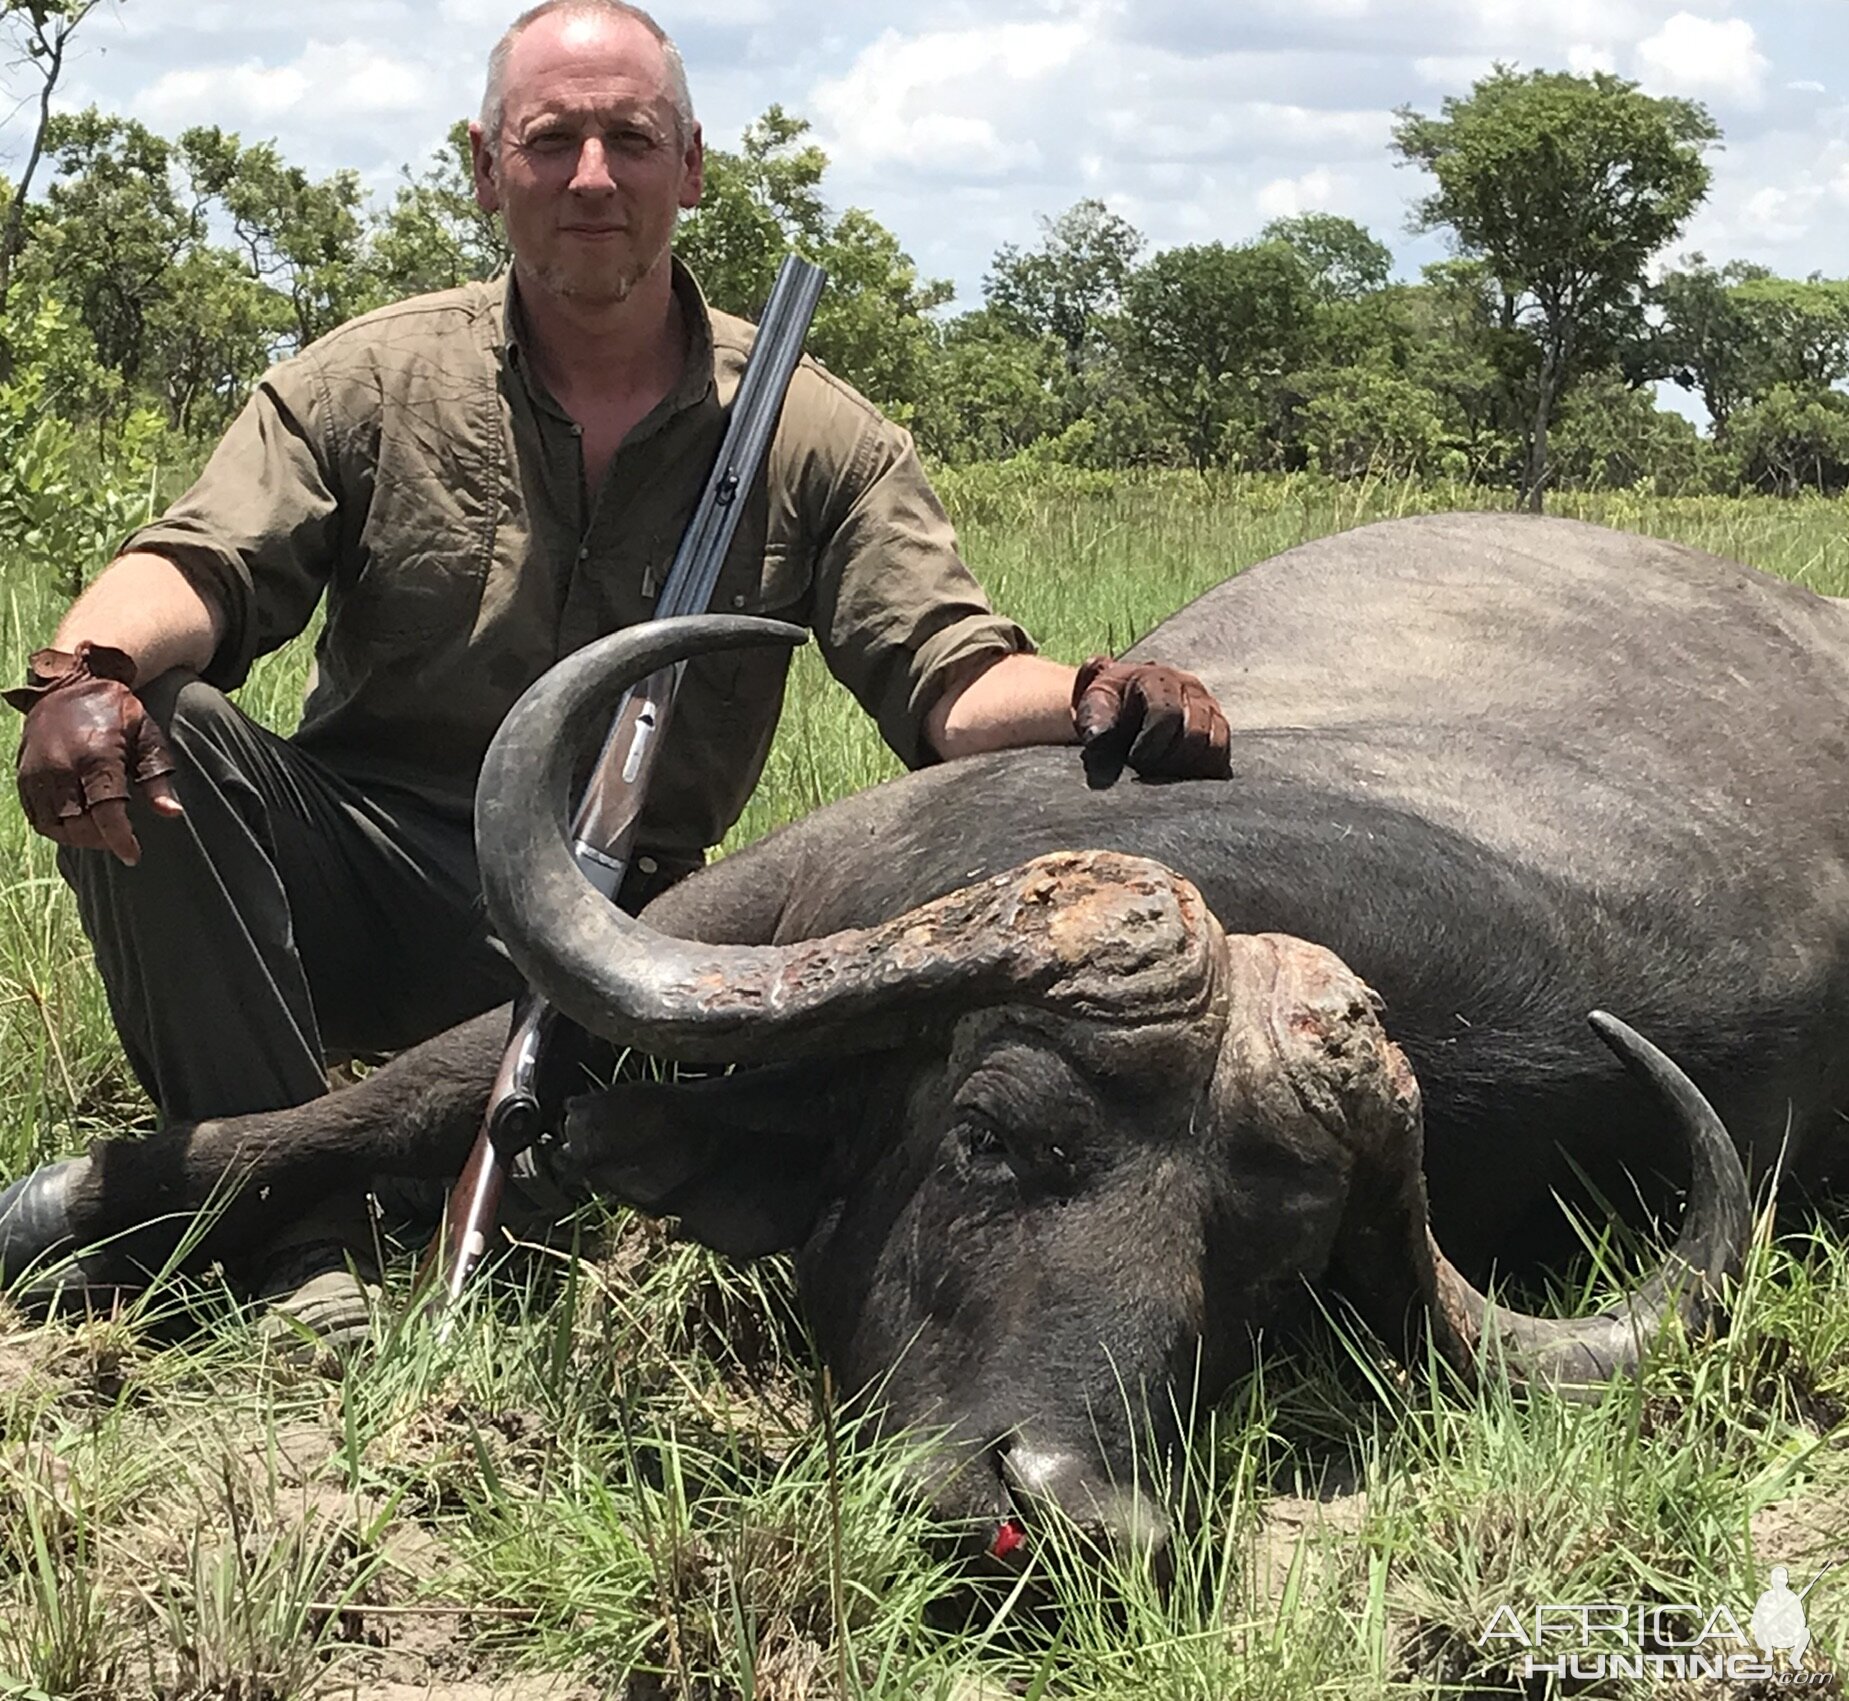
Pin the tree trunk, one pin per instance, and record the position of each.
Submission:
(49, 39)
(1547, 391)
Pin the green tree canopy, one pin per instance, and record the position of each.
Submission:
(1565, 187)
(1211, 332)
(434, 236)
(116, 223)
(766, 200)
(1706, 340)
(1072, 285)
(40, 31)
(304, 240)
(1343, 260)
(1795, 439)
(757, 205)
(1797, 330)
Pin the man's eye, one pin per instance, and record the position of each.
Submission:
(549, 142)
(629, 141)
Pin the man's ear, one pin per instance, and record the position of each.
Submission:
(481, 168)
(741, 1159)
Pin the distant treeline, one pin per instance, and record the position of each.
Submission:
(149, 280)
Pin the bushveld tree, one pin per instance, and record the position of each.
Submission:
(1795, 439)
(1369, 416)
(766, 200)
(1462, 345)
(302, 239)
(1210, 333)
(1705, 339)
(116, 224)
(1612, 435)
(1072, 286)
(757, 205)
(434, 236)
(1797, 330)
(211, 334)
(1565, 187)
(993, 392)
(1342, 259)
(40, 31)
(872, 324)
(1735, 334)
(125, 235)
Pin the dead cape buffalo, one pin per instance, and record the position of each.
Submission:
(1060, 1091)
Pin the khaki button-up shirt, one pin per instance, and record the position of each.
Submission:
(411, 467)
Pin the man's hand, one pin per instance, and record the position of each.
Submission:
(87, 740)
(1162, 721)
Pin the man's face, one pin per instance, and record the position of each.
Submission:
(588, 172)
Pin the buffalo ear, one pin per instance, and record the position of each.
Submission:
(741, 1159)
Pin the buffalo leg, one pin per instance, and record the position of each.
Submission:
(417, 1116)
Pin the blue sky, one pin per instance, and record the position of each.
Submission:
(958, 123)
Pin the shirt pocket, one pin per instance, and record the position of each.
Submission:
(744, 688)
(416, 597)
(423, 556)
(780, 586)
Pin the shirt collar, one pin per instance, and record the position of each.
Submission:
(696, 381)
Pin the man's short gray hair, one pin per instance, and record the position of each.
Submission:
(494, 97)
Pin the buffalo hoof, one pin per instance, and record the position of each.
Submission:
(40, 1265)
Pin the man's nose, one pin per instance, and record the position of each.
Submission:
(593, 174)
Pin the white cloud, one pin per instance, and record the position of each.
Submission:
(342, 79)
(1249, 128)
(1451, 70)
(1781, 215)
(1583, 59)
(1286, 197)
(935, 99)
(1707, 58)
(175, 21)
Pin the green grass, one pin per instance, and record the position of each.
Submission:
(618, 1469)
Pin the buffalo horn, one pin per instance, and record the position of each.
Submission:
(1580, 1355)
(1093, 932)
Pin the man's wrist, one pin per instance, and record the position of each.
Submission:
(48, 669)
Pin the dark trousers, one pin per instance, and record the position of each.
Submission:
(286, 918)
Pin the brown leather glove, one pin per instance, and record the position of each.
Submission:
(87, 740)
(1162, 721)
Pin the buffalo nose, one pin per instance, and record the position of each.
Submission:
(1124, 1518)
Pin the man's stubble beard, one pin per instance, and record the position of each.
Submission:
(604, 289)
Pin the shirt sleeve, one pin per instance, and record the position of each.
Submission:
(257, 534)
(896, 610)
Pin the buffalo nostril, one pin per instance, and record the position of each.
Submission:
(1124, 1518)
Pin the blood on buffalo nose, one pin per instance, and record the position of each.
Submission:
(1010, 1535)
(1070, 1484)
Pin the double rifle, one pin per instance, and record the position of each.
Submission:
(604, 828)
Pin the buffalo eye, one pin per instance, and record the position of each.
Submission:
(982, 1140)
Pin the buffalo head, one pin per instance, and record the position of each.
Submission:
(1050, 1149)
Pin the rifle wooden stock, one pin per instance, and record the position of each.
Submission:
(510, 1121)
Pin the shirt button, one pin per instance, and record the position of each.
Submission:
(577, 431)
(738, 602)
(584, 554)
(647, 864)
